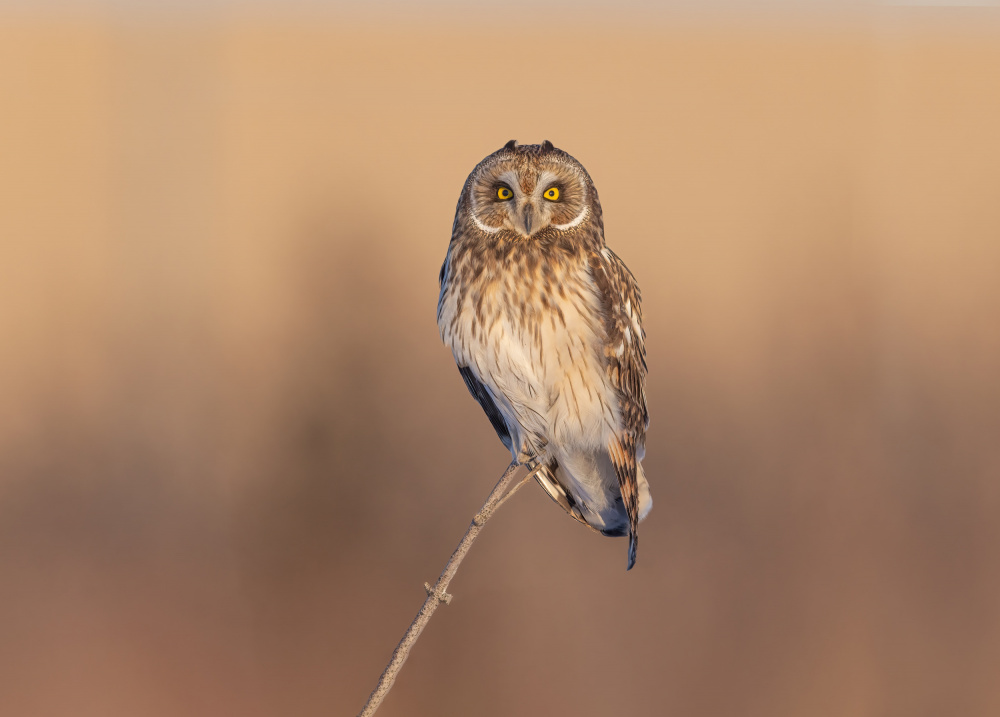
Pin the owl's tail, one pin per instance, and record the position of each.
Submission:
(589, 490)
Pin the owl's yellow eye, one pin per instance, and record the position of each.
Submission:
(552, 194)
(504, 193)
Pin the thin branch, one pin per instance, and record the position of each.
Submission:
(438, 594)
(530, 474)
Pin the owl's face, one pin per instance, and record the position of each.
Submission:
(529, 190)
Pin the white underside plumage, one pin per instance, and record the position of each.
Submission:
(548, 380)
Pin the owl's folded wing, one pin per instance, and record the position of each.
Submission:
(625, 353)
(483, 397)
(625, 348)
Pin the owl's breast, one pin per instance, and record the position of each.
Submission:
(533, 334)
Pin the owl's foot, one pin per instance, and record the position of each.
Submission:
(531, 461)
(533, 452)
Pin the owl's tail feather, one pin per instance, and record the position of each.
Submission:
(621, 449)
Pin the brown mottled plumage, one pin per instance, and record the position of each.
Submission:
(546, 327)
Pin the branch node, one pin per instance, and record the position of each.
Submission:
(441, 596)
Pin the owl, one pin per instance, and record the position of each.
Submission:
(545, 324)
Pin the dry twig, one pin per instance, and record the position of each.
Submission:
(438, 594)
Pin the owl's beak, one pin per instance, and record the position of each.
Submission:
(525, 219)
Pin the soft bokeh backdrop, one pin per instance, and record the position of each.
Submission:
(232, 447)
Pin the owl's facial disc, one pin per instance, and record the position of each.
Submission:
(527, 200)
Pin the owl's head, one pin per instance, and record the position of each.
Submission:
(530, 191)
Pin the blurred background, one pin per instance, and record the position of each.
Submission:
(233, 448)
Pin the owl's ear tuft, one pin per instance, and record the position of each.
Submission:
(546, 146)
(511, 145)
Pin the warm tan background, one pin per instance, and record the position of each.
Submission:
(232, 447)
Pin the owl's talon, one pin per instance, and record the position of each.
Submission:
(531, 462)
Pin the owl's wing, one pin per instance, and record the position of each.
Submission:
(548, 478)
(626, 339)
(483, 397)
(625, 352)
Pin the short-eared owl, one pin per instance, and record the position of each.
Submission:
(545, 325)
